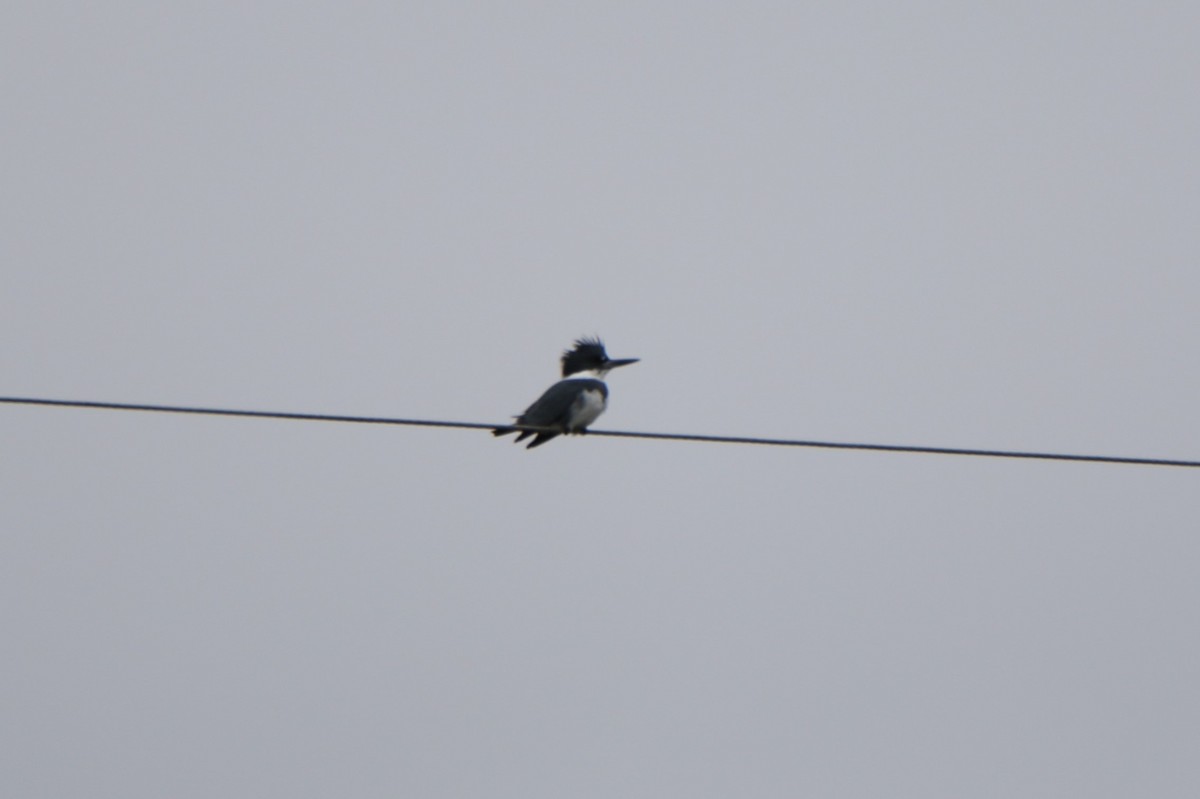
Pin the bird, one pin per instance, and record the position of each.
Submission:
(574, 402)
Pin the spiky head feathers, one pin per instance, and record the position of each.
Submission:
(588, 353)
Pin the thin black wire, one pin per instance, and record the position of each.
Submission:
(777, 442)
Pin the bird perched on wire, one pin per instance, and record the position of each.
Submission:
(574, 402)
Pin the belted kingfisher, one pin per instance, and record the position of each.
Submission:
(574, 402)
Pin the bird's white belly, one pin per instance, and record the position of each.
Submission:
(587, 408)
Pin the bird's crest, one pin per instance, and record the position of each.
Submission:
(588, 353)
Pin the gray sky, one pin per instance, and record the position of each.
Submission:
(968, 225)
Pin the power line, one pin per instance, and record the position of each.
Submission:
(306, 417)
(777, 442)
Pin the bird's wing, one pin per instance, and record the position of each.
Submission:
(553, 407)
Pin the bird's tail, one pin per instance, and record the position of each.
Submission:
(540, 439)
(523, 434)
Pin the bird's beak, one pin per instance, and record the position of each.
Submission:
(615, 362)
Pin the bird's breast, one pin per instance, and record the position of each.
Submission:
(587, 408)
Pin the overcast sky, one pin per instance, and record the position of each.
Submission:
(935, 223)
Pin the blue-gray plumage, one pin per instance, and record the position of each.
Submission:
(574, 402)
